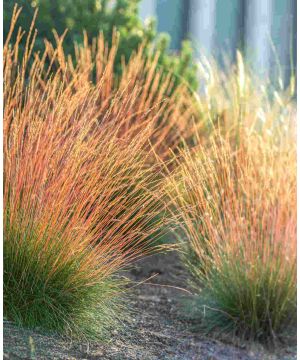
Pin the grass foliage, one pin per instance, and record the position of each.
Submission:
(77, 180)
(234, 203)
(84, 191)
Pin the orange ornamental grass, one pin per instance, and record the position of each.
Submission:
(145, 91)
(77, 204)
(236, 208)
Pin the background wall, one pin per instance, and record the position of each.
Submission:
(265, 30)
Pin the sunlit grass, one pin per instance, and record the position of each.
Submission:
(83, 190)
(235, 99)
(77, 180)
(234, 206)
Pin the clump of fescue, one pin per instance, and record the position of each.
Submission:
(77, 205)
(145, 90)
(236, 207)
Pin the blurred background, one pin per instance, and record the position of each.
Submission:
(263, 30)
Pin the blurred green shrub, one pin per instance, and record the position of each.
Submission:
(103, 15)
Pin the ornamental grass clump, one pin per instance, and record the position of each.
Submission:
(77, 205)
(145, 90)
(235, 208)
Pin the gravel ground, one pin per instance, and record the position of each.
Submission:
(157, 330)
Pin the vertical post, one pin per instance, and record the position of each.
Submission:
(202, 22)
(258, 35)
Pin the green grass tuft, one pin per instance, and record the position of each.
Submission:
(41, 291)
